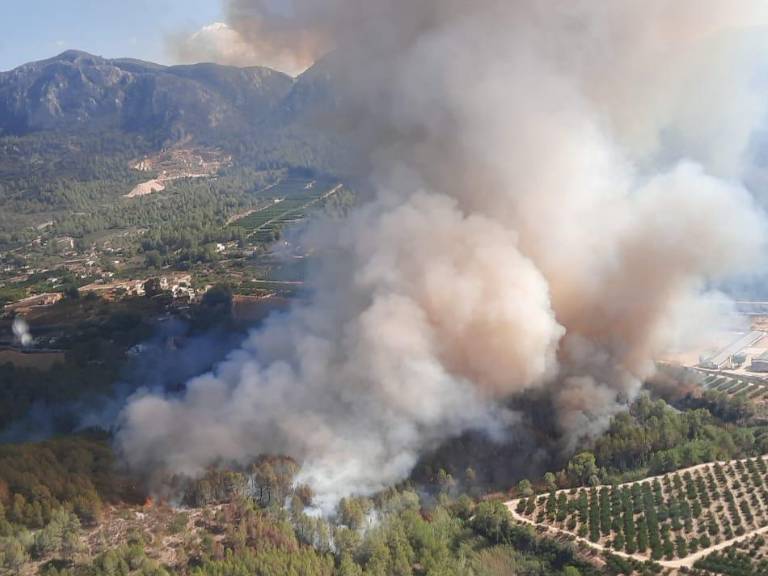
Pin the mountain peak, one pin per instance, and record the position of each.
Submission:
(77, 56)
(76, 91)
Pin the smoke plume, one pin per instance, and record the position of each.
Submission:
(220, 43)
(555, 183)
(21, 333)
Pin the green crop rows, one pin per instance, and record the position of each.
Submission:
(663, 518)
(746, 557)
(286, 203)
(735, 386)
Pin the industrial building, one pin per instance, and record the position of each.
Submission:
(731, 357)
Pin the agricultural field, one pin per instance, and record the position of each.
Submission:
(752, 393)
(676, 519)
(746, 557)
(733, 386)
(286, 203)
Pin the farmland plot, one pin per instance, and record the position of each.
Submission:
(286, 203)
(746, 557)
(676, 519)
(752, 391)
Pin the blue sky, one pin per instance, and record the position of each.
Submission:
(37, 29)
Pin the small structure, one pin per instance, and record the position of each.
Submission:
(738, 360)
(760, 363)
(36, 301)
(115, 290)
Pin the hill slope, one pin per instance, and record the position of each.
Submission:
(78, 92)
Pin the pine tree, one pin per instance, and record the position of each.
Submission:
(347, 566)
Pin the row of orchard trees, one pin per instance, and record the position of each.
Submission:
(653, 437)
(670, 517)
(744, 558)
(634, 446)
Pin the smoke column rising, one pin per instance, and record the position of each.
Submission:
(21, 333)
(556, 183)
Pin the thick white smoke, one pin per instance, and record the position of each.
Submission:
(555, 182)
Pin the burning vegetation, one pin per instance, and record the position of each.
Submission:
(528, 232)
(545, 210)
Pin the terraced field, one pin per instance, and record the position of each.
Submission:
(286, 203)
(676, 519)
(734, 386)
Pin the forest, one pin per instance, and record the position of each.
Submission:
(67, 508)
(61, 497)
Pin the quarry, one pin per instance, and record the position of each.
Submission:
(175, 163)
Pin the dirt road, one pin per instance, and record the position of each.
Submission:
(678, 563)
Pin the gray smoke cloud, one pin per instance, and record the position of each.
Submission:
(556, 183)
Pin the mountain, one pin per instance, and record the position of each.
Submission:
(78, 92)
(72, 128)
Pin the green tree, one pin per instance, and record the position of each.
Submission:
(582, 467)
(524, 488)
(15, 555)
(348, 567)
